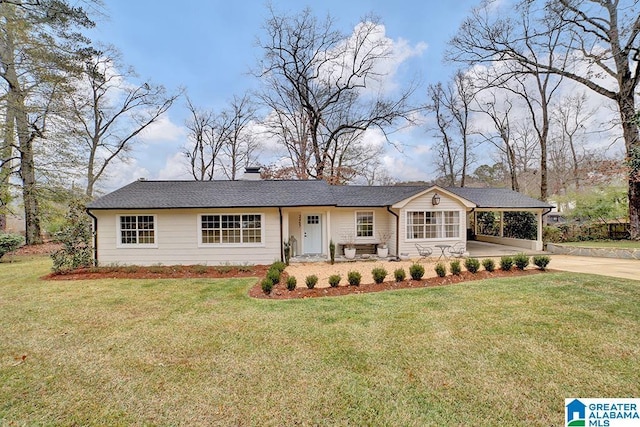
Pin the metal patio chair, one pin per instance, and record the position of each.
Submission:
(424, 251)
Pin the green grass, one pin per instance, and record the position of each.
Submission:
(200, 352)
(622, 244)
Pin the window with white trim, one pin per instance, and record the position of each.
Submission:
(231, 229)
(433, 224)
(364, 224)
(137, 230)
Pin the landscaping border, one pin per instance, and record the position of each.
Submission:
(621, 253)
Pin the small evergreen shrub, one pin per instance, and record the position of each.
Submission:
(267, 285)
(506, 262)
(224, 269)
(489, 264)
(311, 281)
(291, 283)
(416, 271)
(541, 261)
(521, 261)
(273, 275)
(332, 251)
(400, 274)
(455, 267)
(379, 274)
(9, 243)
(472, 265)
(441, 269)
(354, 278)
(279, 265)
(334, 280)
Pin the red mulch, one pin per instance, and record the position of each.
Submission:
(280, 290)
(161, 272)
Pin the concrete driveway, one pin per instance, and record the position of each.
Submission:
(613, 267)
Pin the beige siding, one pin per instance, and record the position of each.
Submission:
(343, 224)
(177, 240)
(423, 203)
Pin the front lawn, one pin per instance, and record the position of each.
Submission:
(200, 352)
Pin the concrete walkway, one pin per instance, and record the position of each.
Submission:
(613, 267)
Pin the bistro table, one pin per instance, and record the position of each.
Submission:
(442, 249)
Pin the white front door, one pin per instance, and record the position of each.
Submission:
(312, 234)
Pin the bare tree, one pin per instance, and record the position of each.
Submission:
(448, 149)
(452, 107)
(320, 86)
(109, 112)
(570, 117)
(598, 44)
(207, 141)
(240, 147)
(501, 138)
(221, 141)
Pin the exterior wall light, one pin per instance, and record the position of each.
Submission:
(435, 200)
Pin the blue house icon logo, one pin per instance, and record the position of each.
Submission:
(576, 414)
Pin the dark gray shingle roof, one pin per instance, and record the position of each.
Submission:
(216, 194)
(497, 198)
(234, 194)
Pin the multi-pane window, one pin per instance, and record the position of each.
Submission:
(433, 224)
(217, 229)
(137, 230)
(364, 224)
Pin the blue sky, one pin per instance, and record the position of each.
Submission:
(208, 47)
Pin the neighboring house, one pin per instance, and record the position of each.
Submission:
(218, 222)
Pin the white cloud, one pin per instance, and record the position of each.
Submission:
(176, 168)
(164, 130)
(121, 173)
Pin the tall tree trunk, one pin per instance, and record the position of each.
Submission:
(632, 142)
(6, 167)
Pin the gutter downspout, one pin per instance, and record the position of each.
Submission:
(281, 237)
(397, 231)
(95, 238)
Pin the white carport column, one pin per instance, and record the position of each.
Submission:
(328, 238)
(539, 242)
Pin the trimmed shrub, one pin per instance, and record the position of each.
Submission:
(541, 261)
(278, 265)
(416, 271)
(273, 275)
(506, 262)
(441, 269)
(400, 274)
(455, 267)
(332, 251)
(489, 264)
(379, 274)
(9, 243)
(267, 285)
(521, 261)
(472, 265)
(291, 283)
(334, 280)
(311, 281)
(354, 278)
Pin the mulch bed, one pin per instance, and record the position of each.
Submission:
(280, 291)
(161, 272)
